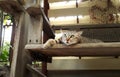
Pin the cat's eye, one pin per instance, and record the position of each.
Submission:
(65, 35)
(71, 36)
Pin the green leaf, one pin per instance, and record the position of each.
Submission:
(5, 52)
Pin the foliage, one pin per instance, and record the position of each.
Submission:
(7, 19)
(5, 52)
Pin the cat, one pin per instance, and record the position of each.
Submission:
(69, 38)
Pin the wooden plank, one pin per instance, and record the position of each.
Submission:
(35, 71)
(85, 64)
(11, 6)
(35, 11)
(12, 41)
(50, 1)
(20, 58)
(84, 73)
(85, 4)
(35, 30)
(68, 12)
(91, 49)
(16, 44)
(88, 26)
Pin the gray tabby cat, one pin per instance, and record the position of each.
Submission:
(70, 38)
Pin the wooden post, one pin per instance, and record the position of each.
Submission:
(46, 7)
(44, 68)
(44, 64)
(12, 40)
(1, 25)
(35, 30)
(20, 58)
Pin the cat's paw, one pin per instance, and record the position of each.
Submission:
(49, 43)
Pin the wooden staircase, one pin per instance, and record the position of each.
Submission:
(29, 48)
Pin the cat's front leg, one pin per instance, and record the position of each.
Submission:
(49, 43)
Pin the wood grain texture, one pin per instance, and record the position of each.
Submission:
(85, 64)
(20, 58)
(35, 71)
(35, 12)
(11, 6)
(35, 30)
(85, 26)
(92, 49)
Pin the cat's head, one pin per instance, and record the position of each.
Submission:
(71, 37)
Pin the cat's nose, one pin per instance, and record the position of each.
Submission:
(67, 41)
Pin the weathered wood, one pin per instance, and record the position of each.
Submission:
(35, 71)
(11, 6)
(35, 11)
(16, 49)
(20, 58)
(1, 26)
(94, 63)
(12, 40)
(92, 49)
(35, 30)
(44, 68)
(84, 73)
(89, 26)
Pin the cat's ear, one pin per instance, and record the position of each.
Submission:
(80, 32)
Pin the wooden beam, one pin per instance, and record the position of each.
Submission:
(16, 48)
(91, 49)
(11, 6)
(44, 68)
(35, 71)
(35, 11)
(20, 58)
(12, 40)
(1, 27)
(46, 7)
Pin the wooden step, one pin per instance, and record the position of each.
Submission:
(91, 49)
(85, 26)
